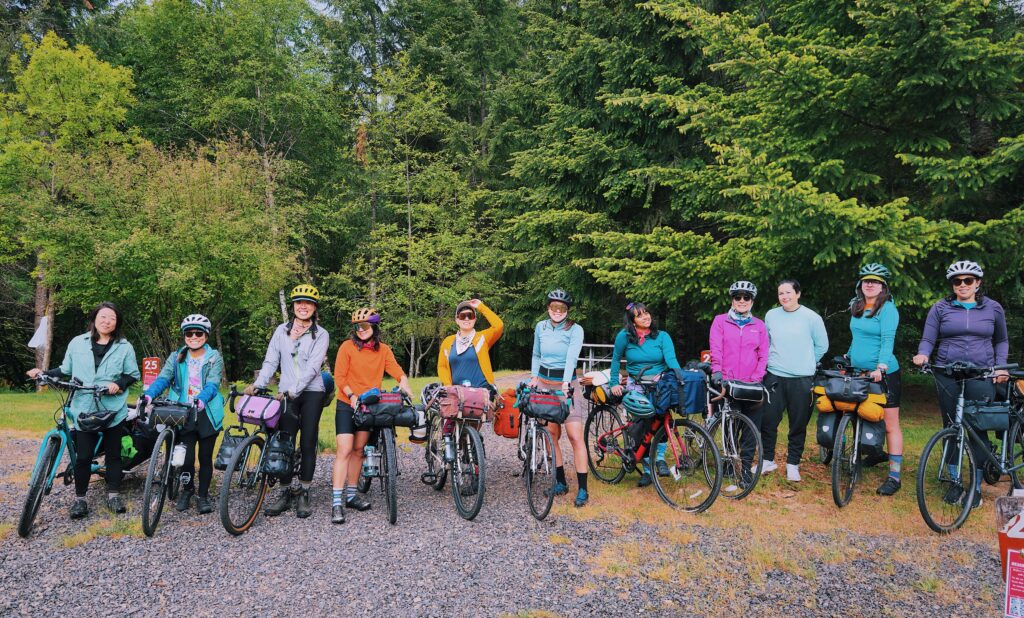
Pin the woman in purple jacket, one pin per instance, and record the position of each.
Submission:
(965, 326)
(739, 351)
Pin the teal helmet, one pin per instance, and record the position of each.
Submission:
(638, 405)
(875, 272)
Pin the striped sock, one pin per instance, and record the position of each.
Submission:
(337, 497)
(350, 492)
(895, 466)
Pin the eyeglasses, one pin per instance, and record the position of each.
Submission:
(361, 326)
(190, 334)
(558, 307)
(466, 315)
(742, 297)
(963, 281)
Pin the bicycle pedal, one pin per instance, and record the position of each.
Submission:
(428, 478)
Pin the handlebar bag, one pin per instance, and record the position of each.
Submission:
(259, 409)
(746, 391)
(546, 406)
(388, 411)
(171, 415)
(846, 389)
(464, 402)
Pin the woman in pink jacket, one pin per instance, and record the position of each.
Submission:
(739, 351)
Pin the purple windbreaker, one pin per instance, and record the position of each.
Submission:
(956, 334)
(739, 353)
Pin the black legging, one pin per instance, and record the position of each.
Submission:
(794, 396)
(308, 407)
(85, 447)
(205, 461)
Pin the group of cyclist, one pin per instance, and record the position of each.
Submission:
(780, 352)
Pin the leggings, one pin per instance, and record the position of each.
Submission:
(794, 396)
(85, 447)
(308, 407)
(205, 461)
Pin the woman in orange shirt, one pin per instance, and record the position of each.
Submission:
(362, 361)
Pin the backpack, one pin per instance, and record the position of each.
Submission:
(506, 418)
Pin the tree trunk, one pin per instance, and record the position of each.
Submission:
(413, 365)
(44, 307)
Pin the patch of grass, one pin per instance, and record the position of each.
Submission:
(114, 528)
(558, 539)
(928, 584)
(5, 530)
(533, 613)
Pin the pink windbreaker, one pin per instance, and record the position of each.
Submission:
(739, 353)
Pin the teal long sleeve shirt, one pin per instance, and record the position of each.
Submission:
(873, 339)
(556, 348)
(798, 341)
(658, 352)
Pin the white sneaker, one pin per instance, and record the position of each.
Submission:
(767, 465)
(793, 473)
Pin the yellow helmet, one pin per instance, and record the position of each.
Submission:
(365, 314)
(305, 291)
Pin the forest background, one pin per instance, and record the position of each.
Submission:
(180, 156)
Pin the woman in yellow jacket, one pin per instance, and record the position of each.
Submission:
(464, 358)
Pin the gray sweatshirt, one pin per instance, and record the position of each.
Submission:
(299, 361)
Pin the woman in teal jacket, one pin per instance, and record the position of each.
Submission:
(101, 357)
(193, 374)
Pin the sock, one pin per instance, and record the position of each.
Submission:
(977, 481)
(581, 480)
(305, 485)
(952, 471)
(350, 492)
(660, 456)
(337, 497)
(560, 475)
(895, 465)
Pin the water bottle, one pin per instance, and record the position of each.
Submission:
(449, 449)
(178, 456)
(467, 383)
(371, 464)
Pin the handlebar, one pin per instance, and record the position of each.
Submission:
(74, 384)
(962, 370)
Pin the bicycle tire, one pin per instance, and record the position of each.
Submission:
(846, 462)
(937, 484)
(155, 490)
(1016, 455)
(539, 471)
(468, 473)
(695, 466)
(244, 486)
(434, 453)
(390, 477)
(37, 485)
(604, 436)
(738, 477)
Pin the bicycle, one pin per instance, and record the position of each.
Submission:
(695, 473)
(51, 450)
(454, 447)
(536, 448)
(737, 437)
(246, 478)
(946, 479)
(382, 460)
(169, 417)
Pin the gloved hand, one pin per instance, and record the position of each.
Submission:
(200, 405)
(142, 402)
(716, 378)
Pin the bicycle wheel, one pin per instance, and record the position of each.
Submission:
(156, 488)
(539, 473)
(468, 474)
(846, 461)
(390, 477)
(946, 480)
(739, 474)
(37, 485)
(694, 464)
(606, 441)
(1015, 455)
(434, 453)
(244, 486)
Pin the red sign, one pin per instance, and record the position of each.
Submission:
(150, 370)
(705, 356)
(1014, 584)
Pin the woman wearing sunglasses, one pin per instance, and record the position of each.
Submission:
(193, 374)
(557, 342)
(465, 357)
(298, 348)
(964, 326)
(362, 361)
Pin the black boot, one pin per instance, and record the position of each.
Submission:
(302, 510)
(282, 504)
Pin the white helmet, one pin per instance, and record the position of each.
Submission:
(743, 286)
(964, 267)
(196, 321)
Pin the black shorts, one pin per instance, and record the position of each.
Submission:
(893, 389)
(343, 418)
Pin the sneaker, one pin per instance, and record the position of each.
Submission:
(203, 505)
(581, 498)
(873, 459)
(767, 465)
(953, 494)
(302, 510)
(793, 473)
(79, 508)
(358, 503)
(661, 467)
(282, 504)
(560, 489)
(645, 480)
(184, 500)
(338, 514)
(116, 504)
(889, 487)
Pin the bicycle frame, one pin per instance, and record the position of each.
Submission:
(965, 431)
(62, 432)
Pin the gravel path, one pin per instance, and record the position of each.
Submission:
(434, 563)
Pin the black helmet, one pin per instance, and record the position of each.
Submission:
(560, 296)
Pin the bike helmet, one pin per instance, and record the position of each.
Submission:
(964, 267)
(743, 286)
(875, 272)
(95, 420)
(638, 405)
(196, 321)
(305, 291)
(365, 314)
(559, 295)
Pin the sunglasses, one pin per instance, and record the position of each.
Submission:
(963, 281)
(361, 326)
(189, 334)
(742, 297)
(466, 315)
(558, 307)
